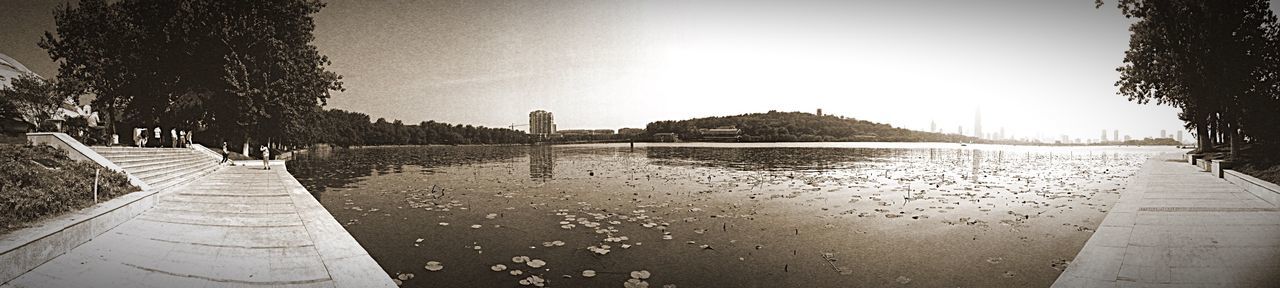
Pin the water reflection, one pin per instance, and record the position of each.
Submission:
(542, 162)
(320, 169)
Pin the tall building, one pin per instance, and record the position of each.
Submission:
(1115, 135)
(960, 130)
(1104, 135)
(1001, 135)
(977, 123)
(933, 126)
(1179, 136)
(541, 123)
(1162, 135)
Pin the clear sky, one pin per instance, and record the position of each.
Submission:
(1034, 67)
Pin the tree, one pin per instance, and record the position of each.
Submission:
(1203, 57)
(242, 69)
(34, 100)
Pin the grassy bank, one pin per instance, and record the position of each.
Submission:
(37, 182)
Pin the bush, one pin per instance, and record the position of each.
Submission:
(38, 181)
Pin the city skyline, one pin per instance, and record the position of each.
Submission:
(899, 63)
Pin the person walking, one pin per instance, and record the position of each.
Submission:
(173, 137)
(225, 153)
(266, 154)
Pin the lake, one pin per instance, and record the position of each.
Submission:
(722, 214)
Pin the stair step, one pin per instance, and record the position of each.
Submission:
(184, 177)
(142, 164)
(161, 169)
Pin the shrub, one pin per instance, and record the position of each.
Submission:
(38, 181)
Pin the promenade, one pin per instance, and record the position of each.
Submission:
(238, 227)
(1178, 227)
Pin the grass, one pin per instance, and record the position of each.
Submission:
(39, 182)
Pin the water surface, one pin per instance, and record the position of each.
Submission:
(723, 214)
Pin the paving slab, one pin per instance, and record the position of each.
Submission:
(1177, 226)
(238, 227)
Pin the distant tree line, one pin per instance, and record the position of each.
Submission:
(1216, 61)
(777, 126)
(346, 129)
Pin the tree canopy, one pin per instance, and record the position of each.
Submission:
(241, 69)
(1214, 60)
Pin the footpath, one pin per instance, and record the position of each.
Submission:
(1176, 226)
(237, 227)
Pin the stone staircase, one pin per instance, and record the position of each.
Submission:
(160, 167)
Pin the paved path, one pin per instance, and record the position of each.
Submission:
(1178, 227)
(236, 227)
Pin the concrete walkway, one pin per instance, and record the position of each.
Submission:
(237, 227)
(1178, 227)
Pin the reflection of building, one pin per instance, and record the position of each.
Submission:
(542, 162)
(541, 123)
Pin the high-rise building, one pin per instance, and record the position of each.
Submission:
(1126, 138)
(1162, 135)
(1104, 135)
(541, 123)
(960, 130)
(1179, 136)
(933, 126)
(1001, 135)
(1115, 135)
(977, 123)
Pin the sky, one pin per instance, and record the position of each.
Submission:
(1034, 67)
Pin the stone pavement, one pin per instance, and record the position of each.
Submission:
(238, 227)
(1178, 227)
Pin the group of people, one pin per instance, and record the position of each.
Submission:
(175, 138)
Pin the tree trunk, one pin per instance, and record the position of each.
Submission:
(1233, 136)
(1203, 136)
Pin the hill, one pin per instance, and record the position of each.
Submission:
(775, 126)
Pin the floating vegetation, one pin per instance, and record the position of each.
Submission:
(434, 266)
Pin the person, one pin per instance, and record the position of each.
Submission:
(173, 137)
(157, 134)
(266, 154)
(182, 138)
(225, 153)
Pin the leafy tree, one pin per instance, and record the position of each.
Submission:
(34, 100)
(1205, 57)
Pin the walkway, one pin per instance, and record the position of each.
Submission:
(237, 227)
(1178, 227)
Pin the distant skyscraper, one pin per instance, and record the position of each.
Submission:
(1001, 135)
(1126, 138)
(1115, 135)
(541, 123)
(960, 129)
(977, 123)
(1104, 135)
(1065, 139)
(1179, 136)
(933, 126)
(1162, 135)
